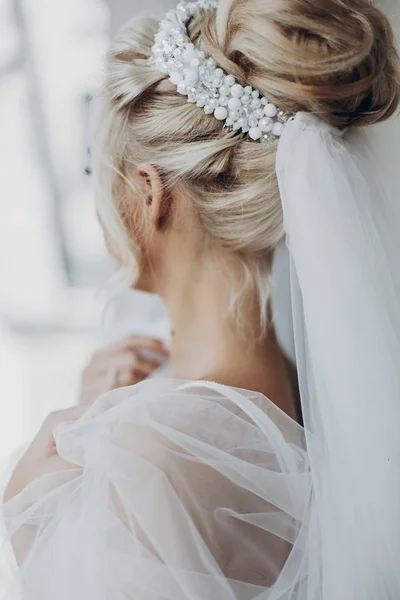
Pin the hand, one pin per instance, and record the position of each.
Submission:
(41, 456)
(119, 365)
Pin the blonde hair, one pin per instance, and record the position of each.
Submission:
(333, 58)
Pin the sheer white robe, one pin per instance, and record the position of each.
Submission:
(181, 491)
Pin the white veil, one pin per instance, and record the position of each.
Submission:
(341, 207)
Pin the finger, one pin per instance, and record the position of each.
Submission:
(128, 360)
(123, 378)
(109, 379)
(145, 343)
(146, 366)
(115, 359)
(44, 440)
(135, 342)
(115, 378)
(108, 356)
(63, 416)
(90, 393)
(126, 377)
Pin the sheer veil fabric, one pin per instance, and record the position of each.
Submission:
(341, 200)
(342, 216)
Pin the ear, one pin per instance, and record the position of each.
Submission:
(156, 199)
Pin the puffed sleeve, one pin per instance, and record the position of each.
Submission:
(181, 492)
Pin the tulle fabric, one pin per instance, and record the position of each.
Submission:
(342, 215)
(182, 491)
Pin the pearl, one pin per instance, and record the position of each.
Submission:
(282, 116)
(219, 73)
(161, 36)
(255, 94)
(265, 124)
(269, 139)
(242, 122)
(202, 101)
(234, 103)
(200, 54)
(191, 76)
(213, 103)
(259, 112)
(175, 78)
(233, 115)
(237, 90)
(178, 53)
(220, 113)
(253, 122)
(166, 25)
(277, 129)
(180, 39)
(255, 133)
(224, 90)
(229, 122)
(245, 128)
(236, 126)
(182, 89)
(184, 12)
(248, 90)
(229, 80)
(270, 110)
(190, 52)
(223, 101)
(216, 82)
(208, 110)
(245, 100)
(210, 62)
(264, 101)
(256, 102)
(195, 62)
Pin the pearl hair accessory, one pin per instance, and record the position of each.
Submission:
(208, 86)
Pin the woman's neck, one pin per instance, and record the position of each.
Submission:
(206, 346)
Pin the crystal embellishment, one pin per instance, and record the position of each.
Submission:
(208, 86)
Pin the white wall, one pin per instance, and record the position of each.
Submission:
(122, 11)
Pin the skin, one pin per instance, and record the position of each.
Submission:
(120, 364)
(188, 274)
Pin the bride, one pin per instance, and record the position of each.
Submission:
(225, 129)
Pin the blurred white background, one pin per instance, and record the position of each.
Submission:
(52, 260)
(53, 265)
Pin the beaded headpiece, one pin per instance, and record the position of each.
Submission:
(206, 85)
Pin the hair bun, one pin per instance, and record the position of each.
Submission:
(334, 58)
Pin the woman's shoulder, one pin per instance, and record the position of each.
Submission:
(163, 416)
(187, 477)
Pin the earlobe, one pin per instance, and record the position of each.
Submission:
(156, 197)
